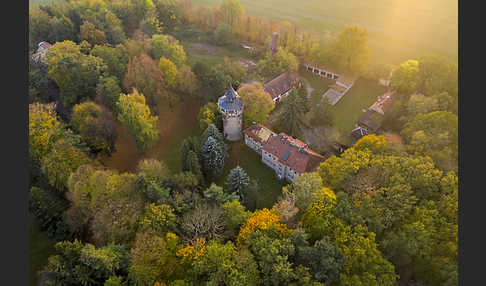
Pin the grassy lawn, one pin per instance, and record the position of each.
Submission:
(347, 111)
(40, 247)
(270, 187)
(199, 47)
(398, 30)
(318, 83)
(361, 96)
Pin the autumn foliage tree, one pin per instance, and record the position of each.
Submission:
(95, 125)
(44, 129)
(169, 47)
(61, 161)
(153, 258)
(89, 33)
(75, 73)
(169, 71)
(261, 220)
(350, 49)
(210, 114)
(258, 103)
(135, 115)
(273, 65)
(143, 75)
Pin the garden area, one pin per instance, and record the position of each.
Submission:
(347, 111)
(269, 187)
(361, 96)
(176, 125)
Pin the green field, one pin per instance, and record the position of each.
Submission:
(398, 29)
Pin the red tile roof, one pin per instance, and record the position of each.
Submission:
(281, 84)
(383, 103)
(44, 45)
(293, 153)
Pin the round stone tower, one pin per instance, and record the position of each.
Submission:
(231, 107)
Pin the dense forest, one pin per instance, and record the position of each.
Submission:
(384, 212)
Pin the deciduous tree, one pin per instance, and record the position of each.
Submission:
(351, 50)
(204, 221)
(107, 92)
(116, 59)
(224, 264)
(78, 264)
(61, 161)
(169, 71)
(258, 103)
(273, 65)
(216, 194)
(76, 74)
(44, 129)
(405, 78)
(232, 12)
(89, 33)
(144, 76)
(159, 219)
(235, 216)
(134, 114)
(209, 114)
(95, 125)
(169, 47)
(153, 258)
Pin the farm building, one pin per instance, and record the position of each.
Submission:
(322, 71)
(357, 133)
(281, 86)
(371, 120)
(383, 103)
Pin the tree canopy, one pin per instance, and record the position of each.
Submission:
(135, 116)
(258, 103)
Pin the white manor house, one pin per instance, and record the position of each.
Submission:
(287, 156)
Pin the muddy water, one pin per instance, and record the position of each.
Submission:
(174, 125)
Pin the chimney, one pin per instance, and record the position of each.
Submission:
(274, 43)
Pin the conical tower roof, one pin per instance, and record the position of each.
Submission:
(230, 100)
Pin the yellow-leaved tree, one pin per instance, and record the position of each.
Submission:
(261, 220)
(135, 115)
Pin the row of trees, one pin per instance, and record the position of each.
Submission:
(347, 52)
